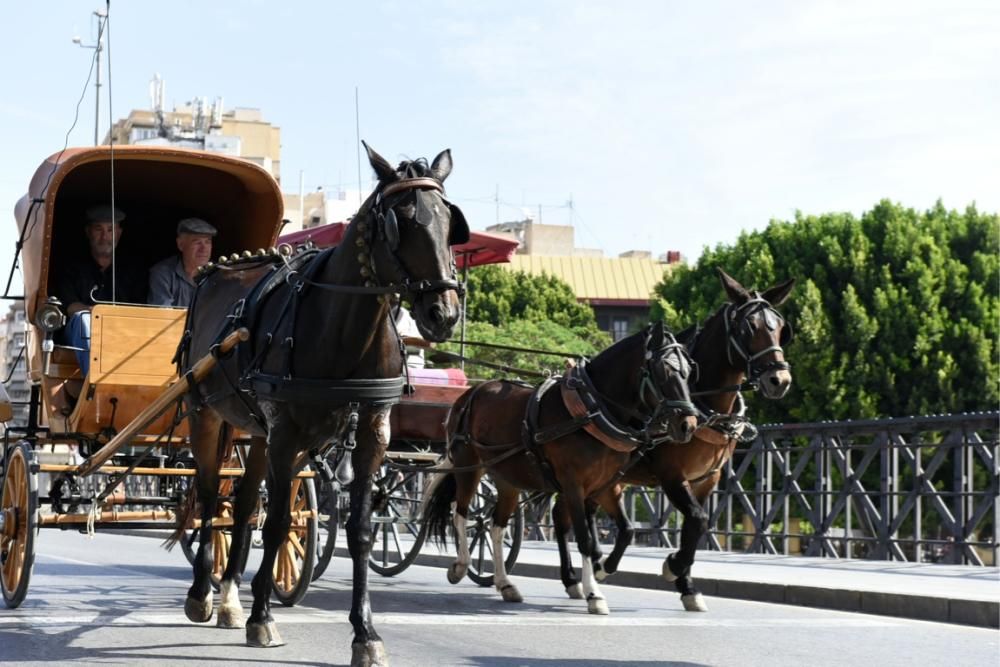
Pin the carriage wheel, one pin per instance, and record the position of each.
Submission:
(480, 521)
(222, 538)
(328, 524)
(293, 566)
(397, 531)
(18, 524)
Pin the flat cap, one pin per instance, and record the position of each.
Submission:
(102, 213)
(195, 226)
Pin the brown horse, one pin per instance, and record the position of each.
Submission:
(572, 435)
(743, 339)
(323, 364)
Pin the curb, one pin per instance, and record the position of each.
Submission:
(978, 613)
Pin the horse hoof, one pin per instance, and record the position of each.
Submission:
(667, 572)
(263, 635)
(575, 592)
(230, 618)
(511, 594)
(600, 573)
(694, 602)
(596, 605)
(199, 611)
(369, 654)
(456, 573)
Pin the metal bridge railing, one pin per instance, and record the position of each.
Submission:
(920, 489)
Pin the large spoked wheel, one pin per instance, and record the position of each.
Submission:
(328, 524)
(478, 533)
(222, 537)
(296, 559)
(18, 524)
(397, 531)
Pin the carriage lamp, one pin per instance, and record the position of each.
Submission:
(50, 316)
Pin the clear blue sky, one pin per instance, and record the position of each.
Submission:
(674, 125)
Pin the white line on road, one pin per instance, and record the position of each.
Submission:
(89, 619)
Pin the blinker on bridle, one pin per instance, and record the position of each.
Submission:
(648, 381)
(387, 230)
(737, 320)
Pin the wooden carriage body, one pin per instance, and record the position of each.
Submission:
(132, 344)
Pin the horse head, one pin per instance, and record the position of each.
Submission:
(412, 227)
(756, 334)
(663, 384)
(654, 395)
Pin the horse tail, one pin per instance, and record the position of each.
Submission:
(188, 507)
(439, 496)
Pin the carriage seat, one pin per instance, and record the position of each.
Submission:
(63, 364)
(454, 377)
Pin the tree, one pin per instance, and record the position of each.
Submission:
(522, 310)
(895, 314)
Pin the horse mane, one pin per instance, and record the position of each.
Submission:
(418, 168)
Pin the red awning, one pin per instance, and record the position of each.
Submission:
(482, 248)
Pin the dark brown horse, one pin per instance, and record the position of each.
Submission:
(743, 340)
(323, 364)
(572, 435)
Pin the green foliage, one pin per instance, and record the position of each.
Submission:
(518, 309)
(895, 314)
(540, 334)
(498, 296)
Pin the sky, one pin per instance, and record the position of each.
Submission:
(669, 125)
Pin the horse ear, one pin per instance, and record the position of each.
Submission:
(776, 295)
(441, 166)
(383, 169)
(657, 334)
(737, 293)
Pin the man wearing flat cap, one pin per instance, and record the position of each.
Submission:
(171, 282)
(103, 276)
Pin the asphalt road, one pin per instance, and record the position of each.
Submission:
(118, 600)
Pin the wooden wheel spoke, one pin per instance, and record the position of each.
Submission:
(296, 544)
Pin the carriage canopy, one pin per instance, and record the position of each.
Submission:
(155, 186)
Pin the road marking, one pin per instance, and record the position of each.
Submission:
(92, 619)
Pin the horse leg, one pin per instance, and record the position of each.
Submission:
(596, 603)
(262, 631)
(596, 553)
(465, 488)
(367, 648)
(230, 613)
(507, 498)
(677, 566)
(205, 429)
(560, 523)
(613, 502)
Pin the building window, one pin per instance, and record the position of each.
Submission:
(619, 328)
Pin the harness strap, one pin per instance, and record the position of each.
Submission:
(530, 426)
(375, 391)
(584, 418)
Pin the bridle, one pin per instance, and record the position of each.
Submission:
(386, 231)
(658, 408)
(674, 355)
(740, 331)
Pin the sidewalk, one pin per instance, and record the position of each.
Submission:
(946, 593)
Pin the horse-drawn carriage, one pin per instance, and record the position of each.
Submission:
(289, 357)
(106, 450)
